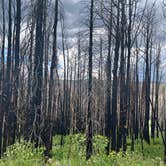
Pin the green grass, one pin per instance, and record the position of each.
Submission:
(22, 154)
(72, 153)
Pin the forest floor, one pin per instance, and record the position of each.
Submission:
(72, 153)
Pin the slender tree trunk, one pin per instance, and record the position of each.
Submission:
(89, 113)
(153, 114)
(2, 78)
(147, 89)
(17, 69)
(157, 90)
(137, 97)
(115, 83)
(128, 64)
(108, 87)
(28, 113)
(52, 83)
(7, 88)
(38, 74)
(122, 128)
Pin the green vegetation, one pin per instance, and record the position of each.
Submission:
(22, 154)
(72, 153)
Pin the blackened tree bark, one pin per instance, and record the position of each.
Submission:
(156, 82)
(46, 41)
(147, 88)
(37, 74)
(108, 86)
(148, 36)
(7, 87)
(89, 113)
(115, 83)
(153, 96)
(48, 138)
(28, 121)
(2, 77)
(3, 47)
(64, 99)
(79, 117)
(136, 130)
(122, 127)
(129, 43)
(17, 61)
(100, 93)
(157, 85)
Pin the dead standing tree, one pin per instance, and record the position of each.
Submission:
(89, 113)
(148, 33)
(7, 85)
(115, 81)
(2, 72)
(35, 117)
(49, 125)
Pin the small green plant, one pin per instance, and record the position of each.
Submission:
(73, 150)
(99, 144)
(22, 154)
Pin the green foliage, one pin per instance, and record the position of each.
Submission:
(72, 153)
(99, 144)
(73, 146)
(154, 150)
(22, 154)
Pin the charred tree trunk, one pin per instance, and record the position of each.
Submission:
(122, 128)
(156, 113)
(17, 69)
(129, 43)
(49, 125)
(38, 77)
(115, 83)
(7, 87)
(147, 87)
(2, 78)
(108, 88)
(89, 112)
(28, 113)
(136, 130)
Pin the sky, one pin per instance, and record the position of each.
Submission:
(72, 16)
(72, 9)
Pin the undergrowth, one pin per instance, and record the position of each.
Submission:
(72, 153)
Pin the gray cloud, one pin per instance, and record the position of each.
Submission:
(72, 12)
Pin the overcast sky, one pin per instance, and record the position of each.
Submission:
(72, 11)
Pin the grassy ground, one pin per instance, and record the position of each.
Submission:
(72, 153)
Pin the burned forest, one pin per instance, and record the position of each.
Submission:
(82, 82)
